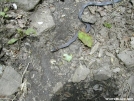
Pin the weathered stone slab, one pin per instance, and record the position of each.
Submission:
(42, 20)
(9, 82)
(27, 4)
(127, 57)
(80, 74)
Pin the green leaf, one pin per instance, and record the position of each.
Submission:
(12, 41)
(6, 16)
(6, 9)
(30, 31)
(85, 38)
(108, 25)
(67, 57)
(2, 14)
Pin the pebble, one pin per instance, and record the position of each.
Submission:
(9, 82)
(132, 42)
(103, 73)
(131, 83)
(80, 74)
(127, 57)
(116, 70)
(132, 1)
(89, 18)
(95, 48)
(1, 69)
(57, 87)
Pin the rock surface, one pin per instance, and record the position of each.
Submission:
(80, 74)
(9, 82)
(127, 57)
(131, 83)
(42, 20)
(27, 4)
(103, 73)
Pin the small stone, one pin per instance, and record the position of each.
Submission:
(52, 8)
(80, 74)
(132, 42)
(42, 20)
(116, 70)
(1, 69)
(132, 1)
(9, 82)
(57, 87)
(14, 6)
(97, 87)
(92, 9)
(95, 48)
(51, 1)
(27, 4)
(102, 13)
(103, 73)
(131, 83)
(0, 47)
(127, 57)
(89, 18)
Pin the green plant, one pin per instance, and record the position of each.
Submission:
(3, 13)
(22, 34)
(108, 25)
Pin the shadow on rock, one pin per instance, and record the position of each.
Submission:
(87, 91)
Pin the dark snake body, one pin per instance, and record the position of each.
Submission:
(88, 26)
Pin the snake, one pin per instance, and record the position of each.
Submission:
(88, 25)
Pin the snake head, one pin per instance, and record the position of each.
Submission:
(54, 49)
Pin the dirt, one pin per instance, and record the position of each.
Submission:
(46, 69)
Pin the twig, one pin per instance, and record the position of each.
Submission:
(24, 72)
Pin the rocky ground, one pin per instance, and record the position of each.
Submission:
(29, 71)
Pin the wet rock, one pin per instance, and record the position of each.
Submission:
(131, 83)
(89, 18)
(27, 4)
(103, 73)
(80, 74)
(127, 57)
(9, 82)
(42, 20)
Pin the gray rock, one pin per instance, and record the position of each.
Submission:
(132, 42)
(103, 73)
(80, 74)
(9, 82)
(42, 20)
(132, 1)
(127, 57)
(57, 87)
(116, 70)
(27, 4)
(131, 83)
(97, 87)
(1, 69)
(95, 48)
(89, 18)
